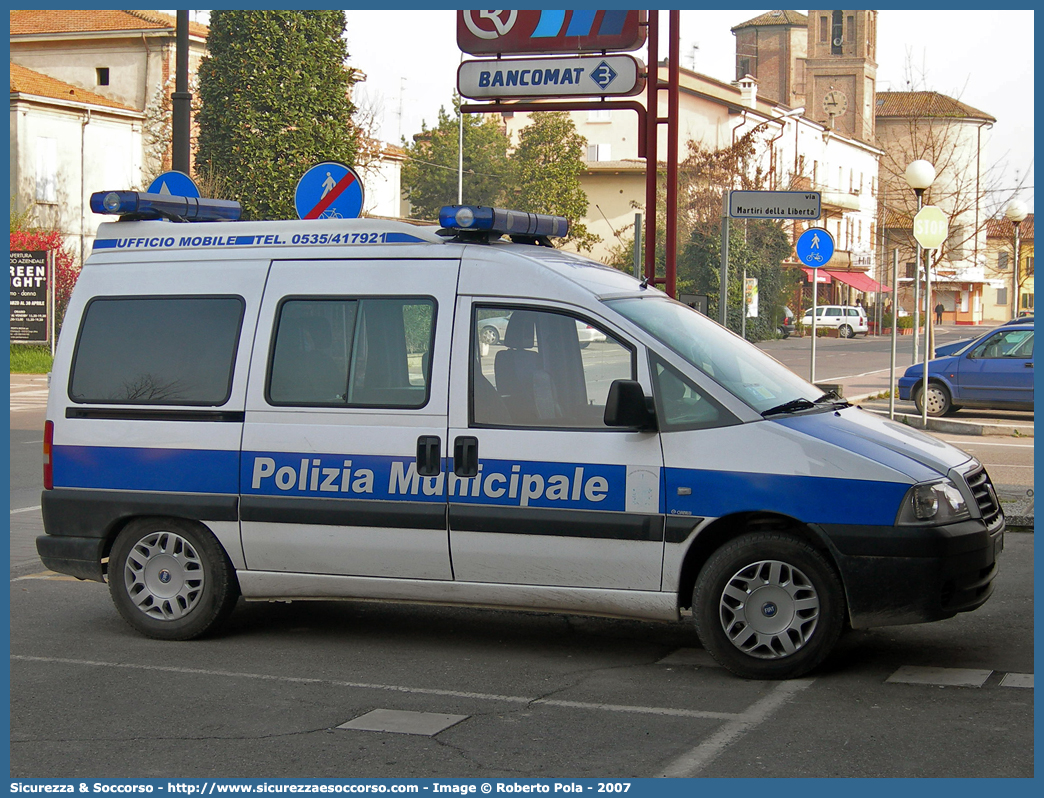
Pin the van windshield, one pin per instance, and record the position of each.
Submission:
(738, 366)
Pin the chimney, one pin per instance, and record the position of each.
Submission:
(748, 91)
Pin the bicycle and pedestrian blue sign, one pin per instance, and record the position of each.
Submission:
(815, 247)
(330, 190)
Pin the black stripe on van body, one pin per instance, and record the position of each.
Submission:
(142, 414)
(74, 512)
(557, 523)
(344, 512)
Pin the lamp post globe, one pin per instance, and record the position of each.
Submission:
(1016, 211)
(920, 174)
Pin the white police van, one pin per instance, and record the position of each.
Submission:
(306, 410)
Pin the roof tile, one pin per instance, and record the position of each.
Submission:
(43, 22)
(26, 81)
(906, 104)
(775, 18)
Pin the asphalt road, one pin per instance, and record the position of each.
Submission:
(315, 689)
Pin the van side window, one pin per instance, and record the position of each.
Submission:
(542, 369)
(157, 350)
(352, 352)
(682, 405)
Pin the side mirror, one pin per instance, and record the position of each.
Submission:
(627, 406)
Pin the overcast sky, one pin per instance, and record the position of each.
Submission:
(984, 59)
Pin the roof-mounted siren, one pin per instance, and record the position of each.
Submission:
(480, 223)
(139, 205)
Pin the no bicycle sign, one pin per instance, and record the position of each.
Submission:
(330, 190)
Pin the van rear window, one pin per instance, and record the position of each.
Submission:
(157, 351)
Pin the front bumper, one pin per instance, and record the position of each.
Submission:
(912, 575)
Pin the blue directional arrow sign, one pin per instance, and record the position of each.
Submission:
(815, 247)
(177, 184)
(330, 190)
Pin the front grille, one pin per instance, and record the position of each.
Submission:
(985, 495)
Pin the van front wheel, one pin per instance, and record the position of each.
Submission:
(768, 606)
(170, 579)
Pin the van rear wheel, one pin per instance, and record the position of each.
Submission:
(768, 606)
(170, 579)
(845, 331)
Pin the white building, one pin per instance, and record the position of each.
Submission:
(66, 143)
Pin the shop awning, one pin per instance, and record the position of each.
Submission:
(859, 281)
(821, 275)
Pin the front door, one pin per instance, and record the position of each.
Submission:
(540, 491)
(998, 370)
(345, 417)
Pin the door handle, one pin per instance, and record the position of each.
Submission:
(429, 456)
(465, 456)
(1029, 365)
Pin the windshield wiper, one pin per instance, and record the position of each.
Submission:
(833, 398)
(793, 406)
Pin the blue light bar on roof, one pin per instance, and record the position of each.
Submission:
(499, 220)
(164, 206)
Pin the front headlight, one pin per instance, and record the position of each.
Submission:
(933, 503)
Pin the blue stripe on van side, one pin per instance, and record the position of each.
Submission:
(818, 500)
(124, 468)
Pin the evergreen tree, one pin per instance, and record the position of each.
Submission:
(547, 166)
(430, 173)
(274, 94)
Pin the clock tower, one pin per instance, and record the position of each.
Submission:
(841, 71)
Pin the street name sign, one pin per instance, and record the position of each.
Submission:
(815, 247)
(775, 205)
(930, 227)
(550, 32)
(329, 190)
(591, 76)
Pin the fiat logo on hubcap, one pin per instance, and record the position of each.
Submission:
(768, 610)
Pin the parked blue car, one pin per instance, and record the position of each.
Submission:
(993, 371)
(953, 348)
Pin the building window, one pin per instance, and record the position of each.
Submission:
(1002, 296)
(599, 152)
(599, 115)
(1002, 261)
(1028, 270)
(102, 76)
(824, 29)
(46, 170)
(742, 68)
(1027, 301)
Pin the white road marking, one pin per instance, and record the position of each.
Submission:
(691, 763)
(529, 701)
(1017, 680)
(26, 509)
(966, 442)
(949, 677)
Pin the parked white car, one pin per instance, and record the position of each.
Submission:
(492, 332)
(848, 320)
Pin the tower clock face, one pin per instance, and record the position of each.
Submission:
(835, 103)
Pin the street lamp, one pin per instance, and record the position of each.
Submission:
(920, 174)
(1016, 212)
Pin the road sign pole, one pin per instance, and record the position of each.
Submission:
(815, 292)
(927, 336)
(723, 290)
(895, 333)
